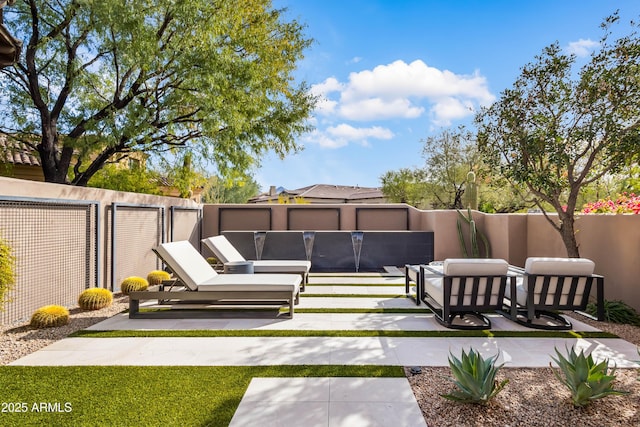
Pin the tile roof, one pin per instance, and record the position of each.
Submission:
(17, 153)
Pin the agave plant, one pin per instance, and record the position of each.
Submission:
(475, 378)
(585, 379)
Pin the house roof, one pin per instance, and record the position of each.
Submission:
(17, 153)
(326, 191)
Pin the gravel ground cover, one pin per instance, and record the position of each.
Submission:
(533, 397)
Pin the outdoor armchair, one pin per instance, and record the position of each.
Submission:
(464, 288)
(548, 285)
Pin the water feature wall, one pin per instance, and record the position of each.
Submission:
(337, 251)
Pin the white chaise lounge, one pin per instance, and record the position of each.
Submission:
(226, 252)
(547, 285)
(463, 287)
(199, 282)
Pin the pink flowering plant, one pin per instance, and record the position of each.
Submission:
(624, 203)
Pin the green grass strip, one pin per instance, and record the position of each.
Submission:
(364, 310)
(143, 395)
(354, 284)
(208, 333)
(306, 295)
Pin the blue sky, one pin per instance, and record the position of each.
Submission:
(393, 72)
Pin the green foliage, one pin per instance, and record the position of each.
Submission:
(238, 188)
(616, 312)
(559, 129)
(95, 299)
(474, 233)
(405, 186)
(475, 378)
(134, 180)
(49, 316)
(585, 379)
(133, 284)
(103, 78)
(449, 156)
(7, 271)
(156, 277)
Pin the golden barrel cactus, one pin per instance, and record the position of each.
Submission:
(156, 277)
(132, 284)
(50, 316)
(95, 299)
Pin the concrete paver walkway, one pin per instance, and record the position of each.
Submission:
(370, 401)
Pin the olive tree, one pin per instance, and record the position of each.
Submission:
(99, 80)
(559, 129)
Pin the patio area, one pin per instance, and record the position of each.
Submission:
(362, 319)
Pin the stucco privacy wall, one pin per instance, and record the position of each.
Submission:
(612, 241)
(46, 276)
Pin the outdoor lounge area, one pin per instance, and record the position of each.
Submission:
(358, 349)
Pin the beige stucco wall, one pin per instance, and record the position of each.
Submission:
(612, 241)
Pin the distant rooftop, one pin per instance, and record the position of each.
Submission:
(324, 193)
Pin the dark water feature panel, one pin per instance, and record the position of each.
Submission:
(337, 251)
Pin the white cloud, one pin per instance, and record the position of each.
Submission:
(401, 90)
(343, 134)
(582, 47)
(354, 60)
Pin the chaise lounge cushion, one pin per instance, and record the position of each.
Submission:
(466, 267)
(558, 267)
(197, 274)
(226, 252)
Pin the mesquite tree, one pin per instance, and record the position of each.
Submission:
(559, 129)
(99, 80)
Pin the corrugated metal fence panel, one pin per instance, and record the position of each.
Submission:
(134, 231)
(56, 250)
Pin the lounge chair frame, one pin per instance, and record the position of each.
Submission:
(226, 297)
(540, 309)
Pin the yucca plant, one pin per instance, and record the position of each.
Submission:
(475, 378)
(585, 379)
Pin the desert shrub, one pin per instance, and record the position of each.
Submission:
(616, 312)
(7, 271)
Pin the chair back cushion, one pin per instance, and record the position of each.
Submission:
(471, 267)
(223, 249)
(475, 267)
(186, 262)
(557, 268)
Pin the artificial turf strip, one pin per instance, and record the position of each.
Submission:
(143, 395)
(364, 310)
(306, 295)
(208, 333)
(311, 285)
